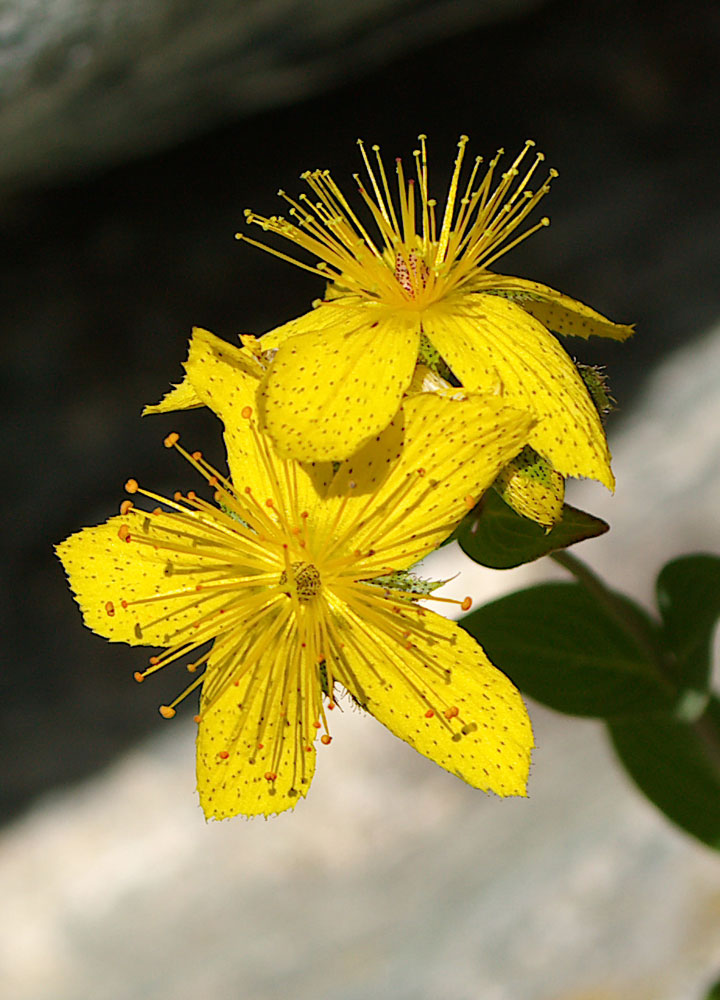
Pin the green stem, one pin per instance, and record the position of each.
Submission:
(612, 603)
(704, 727)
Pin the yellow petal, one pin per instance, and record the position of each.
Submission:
(406, 491)
(484, 337)
(556, 311)
(330, 390)
(254, 752)
(226, 380)
(487, 738)
(186, 394)
(181, 397)
(104, 570)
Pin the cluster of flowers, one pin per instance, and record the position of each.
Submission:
(358, 436)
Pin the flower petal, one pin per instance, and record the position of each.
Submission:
(255, 754)
(406, 491)
(225, 379)
(104, 571)
(442, 695)
(556, 311)
(487, 337)
(328, 391)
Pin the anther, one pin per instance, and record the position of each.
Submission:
(177, 496)
(469, 502)
(452, 712)
(197, 718)
(223, 755)
(270, 776)
(123, 604)
(325, 739)
(124, 533)
(166, 711)
(131, 486)
(110, 608)
(429, 714)
(466, 603)
(139, 677)
(171, 440)
(246, 412)
(197, 455)
(126, 506)
(317, 725)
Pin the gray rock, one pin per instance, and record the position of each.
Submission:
(85, 83)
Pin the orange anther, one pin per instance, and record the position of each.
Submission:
(197, 718)
(126, 506)
(123, 604)
(469, 502)
(451, 712)
(271, 503)
(124, 533)
(327, 740)
(171, 440)
(429, 714)
(421, 472)
(317, 725)
(223, 755)
(246, 412)
(304, 514)
(132, 486)
(269, 775)
(197, 455)
(466, 604)
(261, 746)
(213, 481)
(191, 667)
(177, 495)
(192, 495)
(156, 510)
(110, 608)
(166, 711)
(139, 677)
(331, 705)
(154, 660)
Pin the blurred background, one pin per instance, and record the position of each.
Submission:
(133, 135)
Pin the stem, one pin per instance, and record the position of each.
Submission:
(612, 603)
(703, 727)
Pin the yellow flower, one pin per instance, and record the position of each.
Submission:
(277, 593)
(411, 277)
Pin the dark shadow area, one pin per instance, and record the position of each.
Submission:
(106, 276)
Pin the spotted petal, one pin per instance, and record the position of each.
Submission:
(330, 390)
(556, 311)
(255, 741)
(486, 337)
(405, 492)
(442, 695)
(104, 570)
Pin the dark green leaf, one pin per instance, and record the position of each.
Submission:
(677, 765)
(688, 595)
(714, 992)
(560, 646)
(500, 538)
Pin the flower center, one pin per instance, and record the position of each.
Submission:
(306, 578)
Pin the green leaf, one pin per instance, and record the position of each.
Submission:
(501, 539)
(563, 648)
(688, 595)
(714, 992)
(677, 765)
